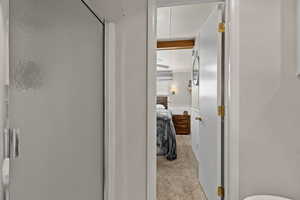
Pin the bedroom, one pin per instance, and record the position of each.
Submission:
(189, 76)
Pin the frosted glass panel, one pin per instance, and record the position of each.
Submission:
(56, 99)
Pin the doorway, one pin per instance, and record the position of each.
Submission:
(204, 115)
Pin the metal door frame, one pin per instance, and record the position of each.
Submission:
(4, 92)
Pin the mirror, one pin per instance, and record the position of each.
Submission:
(196, 64)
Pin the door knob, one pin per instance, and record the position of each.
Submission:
(199, 118)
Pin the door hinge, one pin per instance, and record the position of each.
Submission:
(221, 28)
(221, 111)
(221, 191)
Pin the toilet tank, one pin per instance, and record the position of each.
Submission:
(265, 197)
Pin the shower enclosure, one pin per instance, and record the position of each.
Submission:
(52, 64)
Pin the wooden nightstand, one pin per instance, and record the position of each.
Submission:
(182, 124)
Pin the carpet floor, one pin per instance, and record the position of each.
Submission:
(177, 180)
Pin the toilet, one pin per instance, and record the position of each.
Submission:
(266, 197)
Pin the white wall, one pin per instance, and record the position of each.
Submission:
(131, 101)
(181, 100)
(163, 87)
(180, 82)
(182, 97)
(130, 17)
(269, 100)
(269, 156)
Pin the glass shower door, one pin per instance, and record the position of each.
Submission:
(56, 101)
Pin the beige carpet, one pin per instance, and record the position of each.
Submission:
(177, 180)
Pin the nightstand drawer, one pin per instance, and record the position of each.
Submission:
(182, 124)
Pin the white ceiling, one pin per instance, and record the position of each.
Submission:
(178, 60)
(182, 21)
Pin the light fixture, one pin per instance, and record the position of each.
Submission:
(173, 90)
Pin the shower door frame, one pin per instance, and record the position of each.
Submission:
(109, 91)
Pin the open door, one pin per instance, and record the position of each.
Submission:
(211, 105)
(54, 139)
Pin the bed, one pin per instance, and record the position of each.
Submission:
(165, 132)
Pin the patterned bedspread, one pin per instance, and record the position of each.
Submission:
(166, 135)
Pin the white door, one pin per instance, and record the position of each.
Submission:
(55, 101)
(210, 126)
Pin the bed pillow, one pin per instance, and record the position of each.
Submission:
(160, 106)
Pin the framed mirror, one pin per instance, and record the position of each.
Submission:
(196, 65)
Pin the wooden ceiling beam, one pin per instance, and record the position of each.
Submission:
(175, 44)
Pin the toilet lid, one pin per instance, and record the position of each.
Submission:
(265, 197)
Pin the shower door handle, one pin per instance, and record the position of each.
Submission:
(5, 179)
(15, 143)
(6, 159)
(6, 172)
(11, 151)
